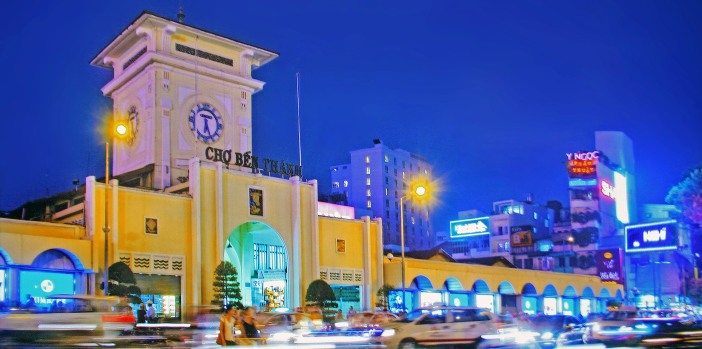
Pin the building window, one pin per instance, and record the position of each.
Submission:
(387, 202)
(403, 175)
(528, 263)
(518, 263)
(387, 159)
(367, 181)
(367, 159)
(403, 163)
(536, 215)
(346, 184)
(412, 220)
(387, 215)
(395, 172)
(368, 204)
(386, 191)
(368, 192)
(367, 170)
(386, 169)
(387, 180)
(546, 222)
(335, 185)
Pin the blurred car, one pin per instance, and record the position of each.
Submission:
(553, 330)
(439, 325)
(367, 319)
(618, 327)
(79, 316)
(281, 327)
(663, 332)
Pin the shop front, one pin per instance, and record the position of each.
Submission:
(164, 291)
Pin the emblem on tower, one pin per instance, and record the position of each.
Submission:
(206, 123)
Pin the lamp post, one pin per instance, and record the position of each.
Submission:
(119, 130)
(419, 191)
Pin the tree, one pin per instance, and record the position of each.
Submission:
(687, 196)
(226, 285)
(383, 295)
(319, 293)
(121, 282)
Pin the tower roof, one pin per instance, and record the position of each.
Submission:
(130, 33)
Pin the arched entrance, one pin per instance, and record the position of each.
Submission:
(52, 272)
(261, 258)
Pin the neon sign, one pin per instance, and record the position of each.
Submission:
(651, 236)
(607, 190)
(583, 164)
(470, 227)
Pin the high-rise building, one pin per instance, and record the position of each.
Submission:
(376, 179)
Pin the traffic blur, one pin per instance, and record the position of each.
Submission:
(102, 321)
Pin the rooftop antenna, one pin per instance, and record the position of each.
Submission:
(299, 142)
(181, 14)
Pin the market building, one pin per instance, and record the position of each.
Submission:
(189, 192)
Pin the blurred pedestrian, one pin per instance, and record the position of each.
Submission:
(151, 313)
(249, 332)
(339, 315)
(141, 314)
(351, 312)
(227, 325)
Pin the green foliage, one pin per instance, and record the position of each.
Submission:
(383, 296)
(121, 282)
(687, 196)
(226, 285)
(320, 294)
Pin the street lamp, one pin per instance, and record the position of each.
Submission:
(120, 130)
(419, 191)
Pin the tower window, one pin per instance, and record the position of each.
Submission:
(368, 204)
(367, 159)
(367, 170)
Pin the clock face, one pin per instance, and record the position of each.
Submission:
(133, 119)
(206, 123)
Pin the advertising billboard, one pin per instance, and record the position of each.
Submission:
(41, 284)
(582, 164)
(609, 265)
(470, 227)
(521, 238)
(651, 236)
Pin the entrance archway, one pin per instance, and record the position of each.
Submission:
(261, 258)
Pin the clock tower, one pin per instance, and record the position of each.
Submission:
(181, 90)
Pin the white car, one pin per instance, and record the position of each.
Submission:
(82, 316)
(440, 325)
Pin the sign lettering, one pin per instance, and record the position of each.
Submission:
(470, 227)
(249, 161)
(607, 189)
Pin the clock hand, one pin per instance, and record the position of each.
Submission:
(207, 124)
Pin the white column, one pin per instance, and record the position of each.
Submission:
(380, 280)
(295, 255)
(367, 283)
(90, 211)
(196, 248)
(219, 212)
(114, 198)
(314, 229)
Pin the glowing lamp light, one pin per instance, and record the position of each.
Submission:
(420, 190)
(121, 129)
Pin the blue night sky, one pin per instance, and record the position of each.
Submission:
(493, 93)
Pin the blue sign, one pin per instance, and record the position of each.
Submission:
(41, 284)
(470, 227)
(651, 236)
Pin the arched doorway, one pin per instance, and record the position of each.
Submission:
(52, 272)
(261, 258)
